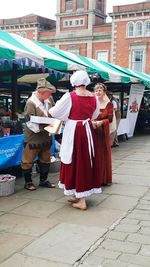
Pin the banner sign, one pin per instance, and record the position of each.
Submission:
(11, 148)
(135, 97)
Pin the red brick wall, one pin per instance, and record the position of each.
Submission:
(122, 45)
(104, 46)
(46, 34)
(132, 7)
(81, 47)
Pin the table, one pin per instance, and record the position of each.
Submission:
(11, 148)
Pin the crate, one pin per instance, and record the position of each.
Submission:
(7, 184)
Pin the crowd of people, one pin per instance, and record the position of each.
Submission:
(85, 150)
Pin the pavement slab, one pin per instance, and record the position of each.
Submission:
(38, 208)
(44, 194)
(131, 179)
(11, 243)
(19, 260)
(31, 226)
(126, 190)
(123, 203)
(64, 243)
(9, 203)
(135, 259)
(94, 216)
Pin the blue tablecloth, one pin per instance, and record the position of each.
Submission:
(11, 148)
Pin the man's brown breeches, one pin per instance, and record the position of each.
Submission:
(29, 155)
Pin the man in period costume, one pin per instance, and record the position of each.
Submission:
(37, 141)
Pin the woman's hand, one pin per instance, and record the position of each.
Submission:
(97, 124)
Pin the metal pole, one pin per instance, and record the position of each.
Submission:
(14, 90)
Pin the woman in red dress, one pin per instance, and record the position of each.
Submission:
(102, 133)
(79, 172)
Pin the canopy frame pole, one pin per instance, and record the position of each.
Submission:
(122, 98)
(14, 90)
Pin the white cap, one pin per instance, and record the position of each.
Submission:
(80, 77)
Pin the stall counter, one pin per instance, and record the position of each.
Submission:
(11, 148)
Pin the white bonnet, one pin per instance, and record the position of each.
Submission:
(80, 77)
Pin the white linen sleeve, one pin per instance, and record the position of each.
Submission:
(34, 127)
(96, 112)
(62, 108)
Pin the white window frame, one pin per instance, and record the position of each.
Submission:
(73, 23)
(82, 5)
(98, 52)
(98, 5)
(145, 30)
(74, 51)
(128, 29)
(138, 32)
(67, 9)
(137, 48)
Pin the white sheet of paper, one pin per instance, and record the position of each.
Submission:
(43, 120)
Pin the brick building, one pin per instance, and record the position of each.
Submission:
(81, 28)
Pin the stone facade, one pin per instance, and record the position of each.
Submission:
(28, 26)
(81, 28)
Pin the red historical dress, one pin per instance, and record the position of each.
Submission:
(103, 143)
(81, 177)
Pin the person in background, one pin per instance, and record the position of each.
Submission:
(102, 133)
(79, 171)
(117, 112)
(37, 141)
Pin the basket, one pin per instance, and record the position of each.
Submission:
(7, 184)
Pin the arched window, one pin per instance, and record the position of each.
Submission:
(138, 29)
(68, 5)
(147, 28)
(80, 4)
(130, 29)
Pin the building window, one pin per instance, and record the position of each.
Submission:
(102, 55)
(130, 29)
(98, 4)
(81, 21)
(138, 29)
(66, 23)
(147, 28)
(74, 51)
(68, 4)
(137, 60)
(74, 23)
(80, 4)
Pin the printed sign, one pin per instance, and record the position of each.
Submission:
(135, 97)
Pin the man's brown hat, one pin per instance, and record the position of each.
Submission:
(43, 83)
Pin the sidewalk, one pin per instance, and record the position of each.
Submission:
(41, 229)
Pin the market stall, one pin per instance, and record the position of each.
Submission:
(20, 57)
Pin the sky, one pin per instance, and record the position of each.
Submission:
(44, 8)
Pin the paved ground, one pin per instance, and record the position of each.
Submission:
(40, 229)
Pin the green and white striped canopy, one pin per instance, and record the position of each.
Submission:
(106, 71)
(27, 53)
